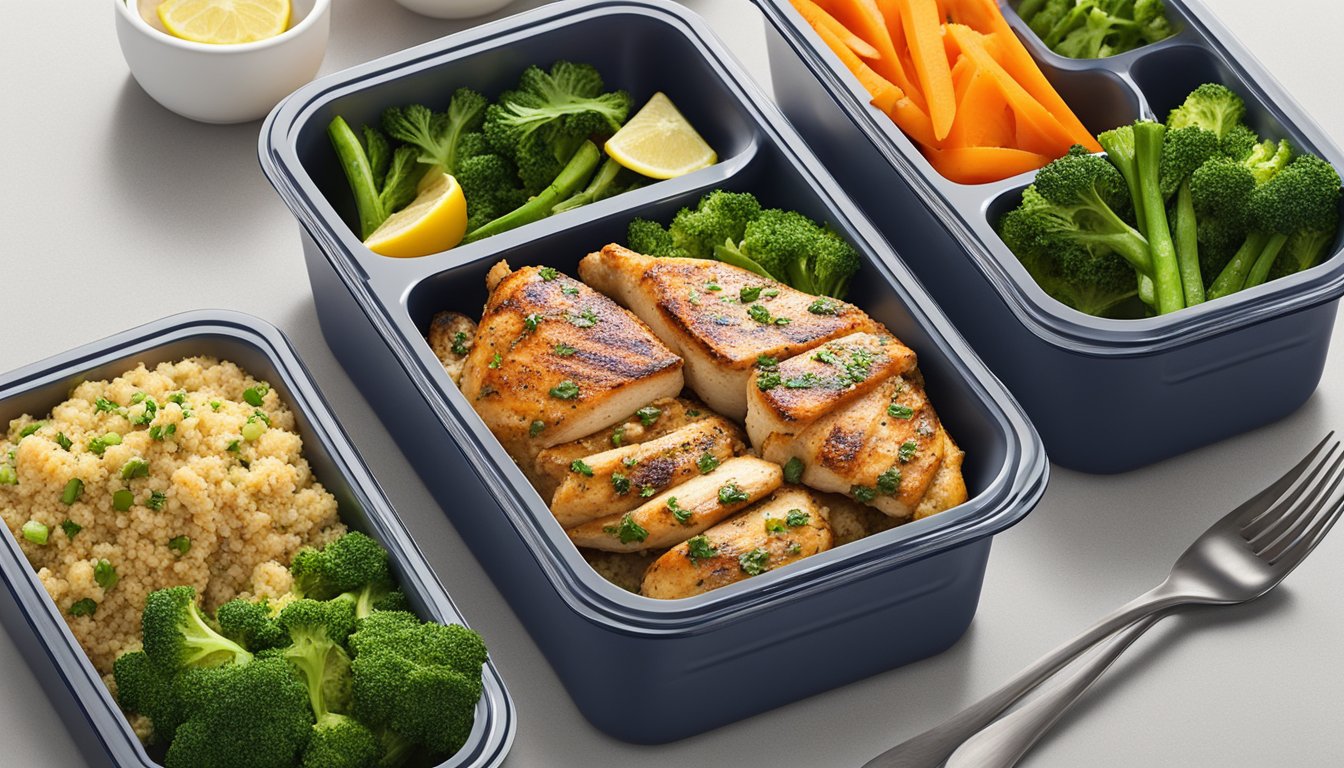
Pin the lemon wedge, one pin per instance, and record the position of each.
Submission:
(659, 143)
(224, 22)
(436, 220)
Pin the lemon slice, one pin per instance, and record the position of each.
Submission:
(224, 21)
(659, 143)
(435, 221)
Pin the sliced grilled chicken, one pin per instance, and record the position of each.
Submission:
(788, 526)
(884, 449)
(682, 512)
(660, 417)
(787, 397)
(696, 307)
(554, 360)
(450, 336)
(851, 521)
(621, 479)
(948, 488)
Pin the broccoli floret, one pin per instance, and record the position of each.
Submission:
(720, 217)
(420, 681)
(572, 176)
(542, 123)
(178, 635)
(394, 600)
(652, 239)
(341, 742)
(1089, 29)
(1211, 106)
(1184, 150)
(344, 565)
(383, 181)
(1221, 192)
(834, 264)
(784, 242)
(1089, 39)
(250, 625)
(437, 136)
(1238, 142)
(1267, 158)
(490, 184)
(317, 631)
(143, 688)
(252, 715)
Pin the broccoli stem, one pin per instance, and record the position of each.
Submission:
(1147, 291)
(597, 189)
(1187, 246)
(1268, 256)
(571, 178)
(358, 171)
(1121, 156)
(1233, 276)
(1166, 270)
(730, 253)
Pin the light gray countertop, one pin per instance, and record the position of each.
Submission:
(117, 212)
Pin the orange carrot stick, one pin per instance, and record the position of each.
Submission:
(887, 96)
(982, 165)
(983, 116)
(898, 68)
(924, 35)
(818, 17)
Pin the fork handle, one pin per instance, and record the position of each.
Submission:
(931, 748)
(1003, 743)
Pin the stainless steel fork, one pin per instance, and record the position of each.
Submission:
(1241, 557)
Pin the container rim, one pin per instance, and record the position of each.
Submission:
(1051, 321)
(495, 732)
(1012, 493)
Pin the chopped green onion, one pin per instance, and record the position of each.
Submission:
(253, 429)
(84, 607)
(180, 544)
(181, 397)
(495, 361)
(31, 428)
(8, 476)
(254, 396)
(215, 405)
(156, 500)
(900, 411)
(134, 468)
(580, 466)
(105, 573)
(71, 528)
(73, 490)
(35, 532)
(122, 500)
(63, 441)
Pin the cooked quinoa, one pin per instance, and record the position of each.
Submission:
(214, 471)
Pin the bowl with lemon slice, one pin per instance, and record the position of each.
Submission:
(222, 61)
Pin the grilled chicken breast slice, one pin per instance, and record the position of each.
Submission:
(696, 307)
(787, 397)
(682, 512)
(948, 488)
(884, 449)
(621, 479)
(450, 336)
(788, 526)
(553, 360)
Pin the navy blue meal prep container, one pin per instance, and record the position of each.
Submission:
(34, 622)
(1106, 395)
(640, 668)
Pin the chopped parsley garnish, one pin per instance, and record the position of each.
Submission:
(795, 548)
(535, 428)
(767, 363)
(569, 290)
(98, 445)
(749, 293)
(770, 293)
(215, 405)
(71, 528)
(699, 548)
(620, 483)
(793, 470)
(907, 451)
(694, 297)
(181, 397)
(796, 517)
(105, 574)
(532, 321)
(645, 491)
(147, 416)
(565, 390)
(564, 350)
(495, 361)
(713, 286)
(253, 395)
(731, 494)
(31, 428)
(823, 306)
(134, 468)
(180, 544)
(825, 356)
(63, 441)
(774, 525)
(233, 446)
(759, 313)
(889, 482)
(580, 466)
(692, 413)
(768, 381)
(156, 500)
(627, 530)
(900, 411)
(122, 500)
(460, 343)
(618, 436)
(682, 514)
(707, 463)
(84, 607)
(103, 405)
(629, 461)
(648, 414)
(159, 432)
(585, 319)
(753, 563)
(862, 493)
(806, 381)
(72, 491)
(782, 321)
(859, 366)
(548, 273)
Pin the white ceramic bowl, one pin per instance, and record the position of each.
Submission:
(223, 83)
(454, 9)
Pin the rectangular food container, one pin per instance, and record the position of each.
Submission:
(33, 620)
(640, 669)
(1106, 395)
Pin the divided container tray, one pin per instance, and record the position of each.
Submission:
(642, 669)
(81, 699)
(1106, 395)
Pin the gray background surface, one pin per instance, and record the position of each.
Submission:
(117, 212)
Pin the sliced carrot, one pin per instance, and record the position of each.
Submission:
(887, 96)
(982, 165)
(924, 35)
(899, 69)
(818, 17)
(973, 13)
(983, 116)
(1054, 136)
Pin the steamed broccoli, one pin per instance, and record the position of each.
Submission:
(720, 217)
(1184, 150)
(144, 688)
(250, 624)
(339, 741)
(1211, 106)
(490, 184)
(437, 135)
(610, 179)
(1220, 192)
(383, 181)
(541, 124)
(178, 635)
(419, 682)
(1091, 29)
(317, 631)
(346, 564)
(653, 239)
(571, 177)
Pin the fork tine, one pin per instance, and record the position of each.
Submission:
(1290, 502)
(1293, 556)
(1304, 530)
(1253, 508)
(1298, 506)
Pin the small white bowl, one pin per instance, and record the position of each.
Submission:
(223, 83)
(454, 9)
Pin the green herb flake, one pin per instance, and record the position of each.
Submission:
(618, 436)
(535, 428)
(72, 491)
(122, 500)
(495, 361)
(7, 475)
(31, 428)
(71, 528)
(732, 494)
(775, 525)
(215, 405)
(897, 411)
(694, 297)
(759, 313)
(160, 432)
(767, 363)
(749, 293)
(233, 446)
(564, 350)
(808, 380)
(180, 544)
(532, 321)
(629, 461)
(84, 607)
(692, 413)
(569, 290)
(907, 451)
(581, 467)
(585, 319)
(105, 574)
(793, 470)
(648, 415)
(699, 548)
(63, 441)
(682, 514)
(796, 517)
(770, 293)
(35, 532)
(707, 463)
(713, 286)
(620, 483)
(794, 548)
(627, 530)
(889, 482)
(147, 415)
(862, 493)
(565, 390)
(754, 563)
(103, 405)
(157, 500)
(548, 273)
(181, 397)
(460, 343)
(645, 491)
(134, 468)
(823, 306)
(768, 381)
(782, 321)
